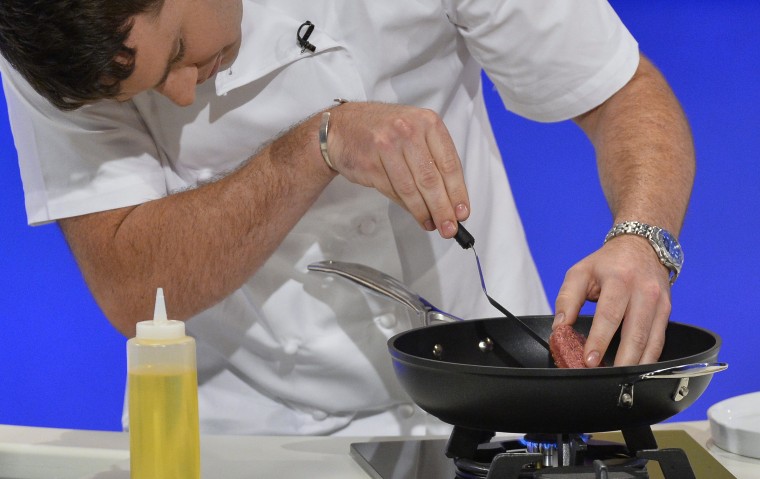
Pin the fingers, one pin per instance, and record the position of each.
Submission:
(401, 185)
(643, 331)
(449, 166)
(633, 296)
(415, 178)
(582, 284)
(644, 317)
(427, 174)
(607, 318)
(408, 155)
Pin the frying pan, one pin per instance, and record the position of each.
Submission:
(490, 375)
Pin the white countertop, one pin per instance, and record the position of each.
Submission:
(44, 453)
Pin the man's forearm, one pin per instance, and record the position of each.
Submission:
(644, 151)
(201, 244)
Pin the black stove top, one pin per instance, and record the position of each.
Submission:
(675, 456)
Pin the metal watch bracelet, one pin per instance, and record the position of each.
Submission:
(665, 245)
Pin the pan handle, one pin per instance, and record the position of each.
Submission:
(683, 372)
(385, 285)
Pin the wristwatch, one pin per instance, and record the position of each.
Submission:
(665, 244)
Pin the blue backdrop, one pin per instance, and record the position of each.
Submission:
(63, 365)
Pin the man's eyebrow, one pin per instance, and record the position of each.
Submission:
(171, 62)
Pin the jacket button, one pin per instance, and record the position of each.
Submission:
(386, 321)
(367, 226)
(290, 346)
(406, 411)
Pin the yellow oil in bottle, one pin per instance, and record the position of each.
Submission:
(164, 436)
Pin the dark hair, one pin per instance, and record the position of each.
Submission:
(72, 52)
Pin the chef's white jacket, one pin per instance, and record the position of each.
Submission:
(297, 352)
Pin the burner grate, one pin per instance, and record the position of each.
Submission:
(550, 457)
(562, 455)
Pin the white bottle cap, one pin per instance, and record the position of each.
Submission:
(161, 327)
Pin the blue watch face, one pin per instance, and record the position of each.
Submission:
(672, 246)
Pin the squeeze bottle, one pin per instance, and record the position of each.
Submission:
(162, 381)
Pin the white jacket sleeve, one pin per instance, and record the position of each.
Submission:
(550, 59)
(96, 158)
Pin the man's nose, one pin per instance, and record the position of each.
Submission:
(179, 86)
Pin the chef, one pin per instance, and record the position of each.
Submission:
(215, 148)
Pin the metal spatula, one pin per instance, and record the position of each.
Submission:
(467, 241)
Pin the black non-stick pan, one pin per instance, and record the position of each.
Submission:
(488, 374)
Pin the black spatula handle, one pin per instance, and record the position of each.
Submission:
(463, 237)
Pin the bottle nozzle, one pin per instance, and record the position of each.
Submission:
(159, 313)
(161, 327)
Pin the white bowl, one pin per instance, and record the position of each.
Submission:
(735, 424)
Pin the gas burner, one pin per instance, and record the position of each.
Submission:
(550, 456)
(500, 458)
(559, 456)
(556, 449)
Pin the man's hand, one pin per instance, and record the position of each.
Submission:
(405, 153)
(626, 280)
